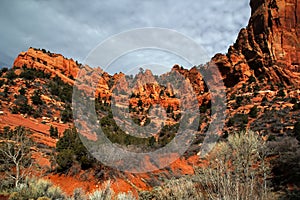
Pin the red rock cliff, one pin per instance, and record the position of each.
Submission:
(268, 47)
(52, 63)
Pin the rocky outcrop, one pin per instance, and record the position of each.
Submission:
(269, 47)
(55, 64)
(194, 77)
(67, 69)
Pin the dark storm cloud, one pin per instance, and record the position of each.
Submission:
(74, 28)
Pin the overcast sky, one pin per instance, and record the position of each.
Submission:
(75, 27)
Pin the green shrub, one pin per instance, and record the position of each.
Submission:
(286, 166)
(53, 132)
(230, 122)
(22, 105)
(231, 173)
(244, 87)
(14, 110)
(36, 98)
(26, 109)
(79, 194)
(264, 101)
(66, 114)
(6, 92)
(65, 159)
(140, 103)
(22, 91)
(4, 69)
(70, 150)
(256, 88)
(296, 106)
(243, 118)
(1, 82)
(297, 130)
(43, 198)
(281, 93)
(102, 194)
(253, 112)
(61, 89)
(175, 189)
(37, 112)
(5, 184)
(239, 120)
(125, 196)
(251, 79)
(239, 100)
(55, 193)
(232, 97)
(27, 74)
(10, 74)
(37, 189)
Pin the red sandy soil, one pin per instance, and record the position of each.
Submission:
(40, 131)
(130, 182)
(120, 185)
(181, 166)
(41, 160)
(138, 180)
(68, 183)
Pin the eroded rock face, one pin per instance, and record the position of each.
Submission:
(55, 64)
(268, 47)
(275, 27)
(66, 69)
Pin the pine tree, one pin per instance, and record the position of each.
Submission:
(253, 112)
(53, 132)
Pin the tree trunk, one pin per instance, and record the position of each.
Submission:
(17, 175)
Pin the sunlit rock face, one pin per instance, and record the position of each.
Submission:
(269, 46)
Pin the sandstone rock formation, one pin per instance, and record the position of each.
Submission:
(55, 64)
(268, 47)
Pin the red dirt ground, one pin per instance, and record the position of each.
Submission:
(40, 131)
(130, 182)
(68, 184)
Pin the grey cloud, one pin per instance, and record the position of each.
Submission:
(74, 28)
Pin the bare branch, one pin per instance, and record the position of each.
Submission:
(16, 152)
